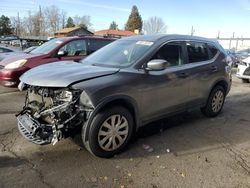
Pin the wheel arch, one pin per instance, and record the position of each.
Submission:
(120, 100)
(220, 82)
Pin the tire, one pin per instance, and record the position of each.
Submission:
(104, 140)
(215, 102)
(245, 80)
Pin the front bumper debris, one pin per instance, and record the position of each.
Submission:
(30, 129)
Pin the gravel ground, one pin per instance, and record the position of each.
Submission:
(189, 150)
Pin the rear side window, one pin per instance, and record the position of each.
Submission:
(213, 50)
(197, 52)
(95, 45)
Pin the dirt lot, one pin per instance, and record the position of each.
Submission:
(203, 152)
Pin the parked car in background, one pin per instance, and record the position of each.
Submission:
(4, 49)
(234, 58)
(122, 87)
(60, 49)
(14, 53)
(242, 54)
(243, 70)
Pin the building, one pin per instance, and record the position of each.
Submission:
(72, 31)
(114, 33)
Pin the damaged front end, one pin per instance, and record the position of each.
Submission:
(51, 114)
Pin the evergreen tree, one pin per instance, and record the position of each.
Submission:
(70, 23)
(5, 25)
(113, 25)
(134, 21)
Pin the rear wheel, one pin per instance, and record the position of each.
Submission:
(215, 102)
(110, 132)
(245, 80)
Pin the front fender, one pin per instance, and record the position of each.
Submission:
(112, 100)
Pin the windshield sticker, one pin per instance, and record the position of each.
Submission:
(145, 43)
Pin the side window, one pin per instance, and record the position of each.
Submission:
(4, 50)
(213, 50)
(172, 53)
(197, 52)
(95, 45)
(75, 48)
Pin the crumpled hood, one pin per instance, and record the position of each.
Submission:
(62, 74)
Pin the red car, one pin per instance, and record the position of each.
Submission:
(59, 49)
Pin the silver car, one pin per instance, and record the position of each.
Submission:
(121, 87)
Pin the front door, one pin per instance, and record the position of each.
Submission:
(74, 51)
(167, 90)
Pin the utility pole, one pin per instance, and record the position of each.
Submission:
(230, 42)
(218, 36)
(18, 25)
(40, 20)
(192, 31)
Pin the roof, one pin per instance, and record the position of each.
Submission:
(115, 32)
(70, 29)
(167, 37)
(67, 30)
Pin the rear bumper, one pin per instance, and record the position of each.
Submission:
(10, 77)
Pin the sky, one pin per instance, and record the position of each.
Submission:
(208, 17)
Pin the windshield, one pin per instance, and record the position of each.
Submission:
(47, 47)
(121, 53)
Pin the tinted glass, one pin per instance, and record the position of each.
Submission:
(197, 52)
(97, 44)
(5, 50)
(172, 53)
(213, 50)
(75, 48)
(120, 53)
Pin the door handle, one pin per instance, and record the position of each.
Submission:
(183, 75)
(214, 68)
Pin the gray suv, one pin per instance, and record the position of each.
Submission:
(121, 87)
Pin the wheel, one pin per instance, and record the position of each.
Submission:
(215, 102)
(245, 80)
(110, 131)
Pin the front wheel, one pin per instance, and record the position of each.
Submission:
(110, 131)
(215, 102)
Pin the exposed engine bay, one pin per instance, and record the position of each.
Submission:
(51, 114)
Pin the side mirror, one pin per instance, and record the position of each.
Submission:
(156, 65)
(61, 53)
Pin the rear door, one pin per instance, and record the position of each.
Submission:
(202, 65)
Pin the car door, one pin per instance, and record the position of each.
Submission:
(73, 51)
(166, 91)
(202, 68)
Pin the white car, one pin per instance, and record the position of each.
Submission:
(243, 70)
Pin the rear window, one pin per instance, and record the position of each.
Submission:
(213, 50)
(197, 52)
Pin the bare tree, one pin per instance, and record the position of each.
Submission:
(53, 18)
(154, 25)
(82, 21)
(63, 16)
